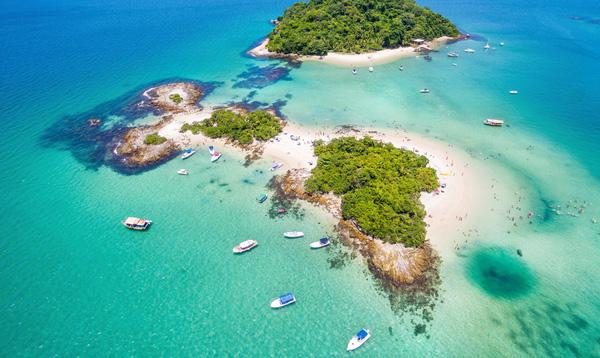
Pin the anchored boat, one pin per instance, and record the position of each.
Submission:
(469, 50)
(245, 246)
(293, 234)
(183, 172)
(424, 90)
(261, 198)
(452, 54)
(187, 153)
(359, 339)
(133, 223)
(283, 300)
(493, 122)
(324, 241)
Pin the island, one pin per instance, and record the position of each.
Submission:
(355, 31)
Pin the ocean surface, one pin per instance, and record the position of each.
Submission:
(73, 281)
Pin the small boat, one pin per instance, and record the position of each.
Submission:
(487, 46)
(261, 198)
(293, 234)
(283, 300)
(359, 339)
(401, 68)
(427, 58)
(183, 172)
(501, 43)
(513, 92)
(274, 22)
(455, 64)
(276, 166)
(324, 241)
(281, 211)
(469, 50)
(215, 156)
(211, 149)
(493, 122)
(134, 223)
(354, 71)
(187, 153)
(424, 90)
(452, 54)
(370, 68)
(245, 246)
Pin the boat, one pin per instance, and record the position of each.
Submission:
(211, 149)
(276, 166)
(293, 234)
(134, 223)
(215, 156)
(261, 198)
(513, 92)
(424, 90)
(183, 172)
(427, 58)
(401, 68)
(324, 241)
(354, 71)
(281, 211)
(452, 54)
(469, 50)
(359, 339)
(187, 153)
(501, 43)
(274, 22)
(487, 46)
(370, 68)
(283, 300)
(494, 122)
(455, 64)
(245, 246)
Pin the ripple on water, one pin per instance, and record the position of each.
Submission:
(500, 273)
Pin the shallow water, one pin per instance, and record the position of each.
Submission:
(75, 282)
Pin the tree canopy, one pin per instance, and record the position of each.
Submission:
(355, 26)
(239, 127)
(379, 185)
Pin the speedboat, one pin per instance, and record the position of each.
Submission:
(354, 71)
(183, 172)
(370, 68)
(359, 339)
(493, 122)
(283, 300)
(134, 223)
(424, 90)
(261, 198)
(245, 246)
(452, 54)
(215, 156)
(276, 166)
(293, 234)
(324, 241)
(469, 50)
(513, 92)
(187, 153)
(487, 46)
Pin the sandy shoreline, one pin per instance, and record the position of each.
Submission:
(447, 210)
(350, 60)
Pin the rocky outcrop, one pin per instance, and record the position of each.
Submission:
(395, 263)
(161, 97)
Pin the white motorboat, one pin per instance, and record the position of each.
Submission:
(245, 246)
(187, 153)
(359, 339)
(354, 71)
(183, 172)
(452, 54)
(469, 50)
(283, 300)
(321, 243)
(371, 69)
(487, 46)
(293, 234)
(501, 43)
(424, 90)
(493, 122)
(215, 156)
(513, 92)
(134, 223)
(276, 166)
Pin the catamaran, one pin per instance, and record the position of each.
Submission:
(187, 153)
(293, 234)
(283, 300)
(324, 241)
(134, 223)
(245, 246)
(494, 122)
(359, 339)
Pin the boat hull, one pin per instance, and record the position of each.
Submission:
(293, 235)
(240, 250)
(276, 303)
(318, 244)
(355, 343)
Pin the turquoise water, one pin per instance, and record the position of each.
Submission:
(75, 282)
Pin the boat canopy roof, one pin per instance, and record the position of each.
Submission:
(324, 240)
(362, 334)
(189, 150)
(287, 298)
(246, 244)
(135, 221)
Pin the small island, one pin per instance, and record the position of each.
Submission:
(335, 31)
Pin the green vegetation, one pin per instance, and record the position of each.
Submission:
(154, 139)
(379, 185)
(176, 97)
(241, 128)
(355, 26)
